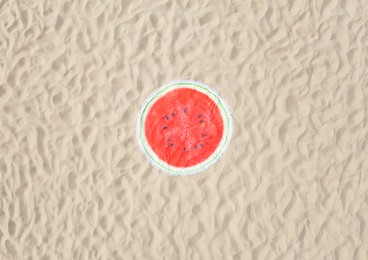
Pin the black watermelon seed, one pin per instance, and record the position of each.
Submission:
(185, 110)
(167, 118)
(200, 116)
(184, 149)
(201, 145)
(204, 135)
(164, 127)
(171, 145)
(173, 114)
(201, 121)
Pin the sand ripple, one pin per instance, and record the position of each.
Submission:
(293, 184)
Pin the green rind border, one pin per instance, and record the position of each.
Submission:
(217, 154)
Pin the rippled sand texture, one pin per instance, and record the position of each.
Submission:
(74, 184)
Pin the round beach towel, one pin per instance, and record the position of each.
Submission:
(184, 127)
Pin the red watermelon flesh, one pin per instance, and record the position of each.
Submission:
(184, 127)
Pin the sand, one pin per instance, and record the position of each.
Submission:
(293, 183)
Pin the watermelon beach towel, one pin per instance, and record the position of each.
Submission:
(184, 127)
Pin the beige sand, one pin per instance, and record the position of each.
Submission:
(292, 185)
